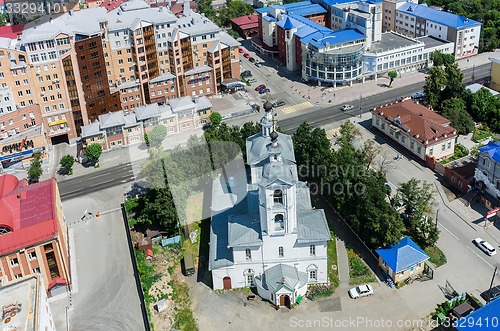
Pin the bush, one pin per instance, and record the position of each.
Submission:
(315, 291)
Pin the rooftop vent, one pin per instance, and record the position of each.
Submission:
(410, 8)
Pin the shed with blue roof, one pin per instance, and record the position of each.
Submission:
(402, 260)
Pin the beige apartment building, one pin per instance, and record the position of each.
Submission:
(82, 64)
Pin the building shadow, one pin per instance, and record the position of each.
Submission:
(204, 275)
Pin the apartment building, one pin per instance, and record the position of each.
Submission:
(389, 8)
(417, 129)
(420, 20)
(82, 64)
(33, 234)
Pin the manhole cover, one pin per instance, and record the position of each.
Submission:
(334, 267)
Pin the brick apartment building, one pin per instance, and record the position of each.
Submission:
(82, 64)
(33, 235)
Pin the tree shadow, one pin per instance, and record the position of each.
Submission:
(63, 171)
(382, 85)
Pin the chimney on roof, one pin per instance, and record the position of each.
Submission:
(187, 8)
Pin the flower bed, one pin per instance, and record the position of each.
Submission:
(318, 290)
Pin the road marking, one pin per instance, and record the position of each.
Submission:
(479, 257)
(448, 231)
(297, 107)
(330, 134)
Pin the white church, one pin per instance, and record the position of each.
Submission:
(264, 231)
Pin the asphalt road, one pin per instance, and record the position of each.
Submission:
(96, 181)
(333, 114)
(124, 173)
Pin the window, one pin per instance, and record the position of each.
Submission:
(431, 151)
(278, 196)
(460, 184)
(278, 222)
(443, 147)
(313, 275)
(14, 262)
(280, 252)
(248, 254)
(35, 270)
(453, 179)
(312, 250)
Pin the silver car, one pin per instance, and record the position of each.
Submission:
(361, 291)
(347, 107)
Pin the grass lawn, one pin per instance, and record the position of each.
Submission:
(359, 273)
(183, 316)
(480, 134)
(333, 273)
(436, 256)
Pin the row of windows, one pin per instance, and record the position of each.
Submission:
(281, 252)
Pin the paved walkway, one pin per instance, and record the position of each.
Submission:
(342, 263)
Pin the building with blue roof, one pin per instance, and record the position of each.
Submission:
(402, 260)
(487, 173)
(415, 20)
(486, 318)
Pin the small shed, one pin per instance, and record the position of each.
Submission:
(149, 254)
(144, 244)
(161, 305)
(462, 310)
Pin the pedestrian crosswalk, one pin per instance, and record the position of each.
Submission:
(297, 107)
(332, 133)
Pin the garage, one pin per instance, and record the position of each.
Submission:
(60, 139)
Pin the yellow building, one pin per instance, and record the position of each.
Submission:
(495, 73)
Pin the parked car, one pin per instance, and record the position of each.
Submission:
(361, 291)
(252, 80)
(484, 246)
(347, 107)
(264, 90)
(251, 59)
(494, 294)
(261, 86)
(258, 64)
(246, 55)
(240, 50)
(278, 103)
(246, 73)
(418, 96)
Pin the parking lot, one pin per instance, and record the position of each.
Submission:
(104, 293)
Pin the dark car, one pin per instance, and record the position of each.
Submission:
(251, 59)
(278, 103)
(246, 73)
(495, 293)
(264, 90)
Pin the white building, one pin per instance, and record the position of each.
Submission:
(365, 17)
(419, 130)
(25, 305)
(266, 233)
(419, 20)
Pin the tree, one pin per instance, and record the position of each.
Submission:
(67, 162)
(439, 59)
(156, 136)
(4, 19)
(370, 151)
(313, 152)
(233, 9)
(417, 199)
(35, 169)
(454, 110)
(454, 82)
(93, 152)
(434, 83)
(392, 75)
(215, 119)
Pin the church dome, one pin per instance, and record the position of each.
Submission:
(273, 135)
(268, 106)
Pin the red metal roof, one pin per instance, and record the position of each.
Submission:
(247, 22)
(11, 31)
(57, 281)
(424, 125)
(111, 4)
(149, 252)
(29, 211)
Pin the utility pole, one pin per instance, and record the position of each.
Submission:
(437, 216)
(361, 105)
(491, 284)
(473, 72)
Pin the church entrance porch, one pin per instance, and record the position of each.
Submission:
(285, 301)
(227, 283)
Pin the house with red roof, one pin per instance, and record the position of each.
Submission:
(420, 131)
(33, 234)
(246, 25)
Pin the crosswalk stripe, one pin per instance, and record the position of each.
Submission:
(330, 134)
(297, 107)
